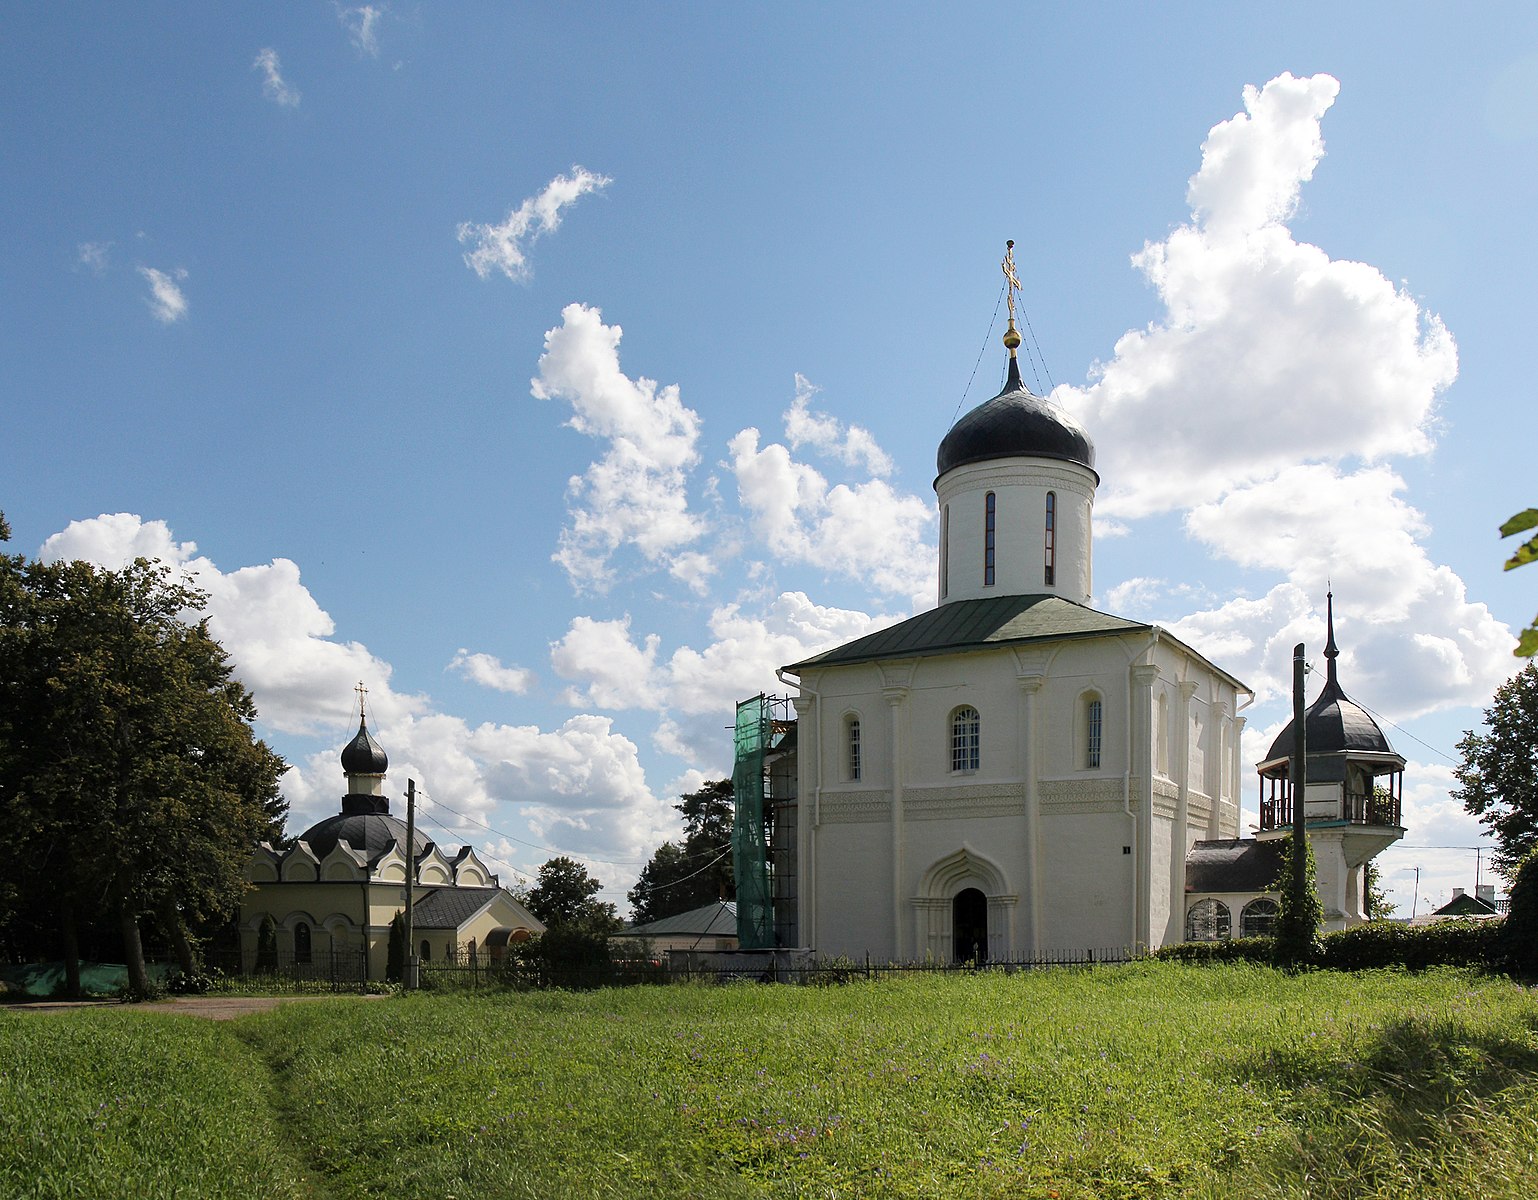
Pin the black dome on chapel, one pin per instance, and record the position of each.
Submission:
(363, 755)
(1015, 424)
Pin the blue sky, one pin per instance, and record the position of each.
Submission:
(325, 302)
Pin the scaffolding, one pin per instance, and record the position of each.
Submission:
(763, 828)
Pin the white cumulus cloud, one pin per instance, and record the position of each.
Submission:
(504, 247)
(636, 494)
(489, 671)
(274, 86)
(1270, 353)
(852, 444)
(166, 300)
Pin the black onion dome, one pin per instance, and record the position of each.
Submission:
(1334, 724)
(363, 755)
(370, 832)
(1015, 424)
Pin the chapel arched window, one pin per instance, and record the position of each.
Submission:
(1051, 539)
(966, 739)
(301, 943)
(1258, 918)
(1093, 713)
(990, 536)
(427, 950)
(1208, 921)
(852, 764)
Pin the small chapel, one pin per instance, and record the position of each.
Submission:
(1014, 774)
(330, 896)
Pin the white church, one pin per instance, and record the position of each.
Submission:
(1014, 774)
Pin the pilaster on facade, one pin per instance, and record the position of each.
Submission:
(1180, 834)
(1141, 679)
(895, 693)
(1031, 676)
(808, 786)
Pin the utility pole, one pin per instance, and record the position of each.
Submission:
(410, 982)
(1415, 897)
(1298, 769)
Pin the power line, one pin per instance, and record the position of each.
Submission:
(1408, 734)
(608, 862)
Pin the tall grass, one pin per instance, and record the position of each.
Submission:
(1147, 1080)
(107, 1103)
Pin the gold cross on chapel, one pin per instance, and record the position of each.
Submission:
(1012, 282)
(362, 695)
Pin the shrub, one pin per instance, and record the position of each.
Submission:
(1519, 936)
(1394, 944)
(1250, 949)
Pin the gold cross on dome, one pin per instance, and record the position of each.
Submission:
(362, 694)
(1009, 274)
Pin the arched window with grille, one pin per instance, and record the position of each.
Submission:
(1258, 917)
(1051, 537)
(427, 950)
(853, 766)
(1094, 711)
(990, 536)
(966, 739)
(1208, 921)
(302, 943)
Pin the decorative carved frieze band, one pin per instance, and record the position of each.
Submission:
(843, 808)
(1080, 795)
(975, 800)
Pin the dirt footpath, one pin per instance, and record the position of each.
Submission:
(212, 1008)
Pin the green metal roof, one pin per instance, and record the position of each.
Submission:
(975, 625)
(710, 920)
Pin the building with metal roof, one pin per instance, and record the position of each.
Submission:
(1015, 773)
(328, 898)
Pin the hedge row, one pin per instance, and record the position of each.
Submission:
(1375, 944)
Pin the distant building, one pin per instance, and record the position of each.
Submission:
(709, 927)
(332, 894)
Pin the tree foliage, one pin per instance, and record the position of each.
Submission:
(1519, 932)
(1527, 641)
(696, 871)
(131, 784)
(565, 896)
(1299, 911)
(1498, 778)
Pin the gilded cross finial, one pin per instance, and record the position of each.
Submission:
(362, 697)
(1012, 285)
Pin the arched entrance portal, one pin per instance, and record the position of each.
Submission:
(969, 926)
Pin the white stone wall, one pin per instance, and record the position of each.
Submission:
(1020, 487)
(1040, 832)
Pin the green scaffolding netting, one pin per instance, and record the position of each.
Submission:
(750, 860)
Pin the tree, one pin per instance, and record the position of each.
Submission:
(696, 871)
(1519, 932)
(564, 896)
(1299, 913)
(131, 783)
(1527, 641)
(1498, 778)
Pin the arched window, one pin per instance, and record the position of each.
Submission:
(1258, 918)
(1051, 531)
(990, 533)
(966, 739)
(470, 949)
(945, 550)
(301, 943)
(852, 764)
(1207, 921)
(1093, 711)
(427, 950)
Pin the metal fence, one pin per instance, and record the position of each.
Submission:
(340, 970)
(729, 967)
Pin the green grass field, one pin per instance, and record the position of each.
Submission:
(1145, 1080)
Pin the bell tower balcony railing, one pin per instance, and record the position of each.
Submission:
(1378, 807)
